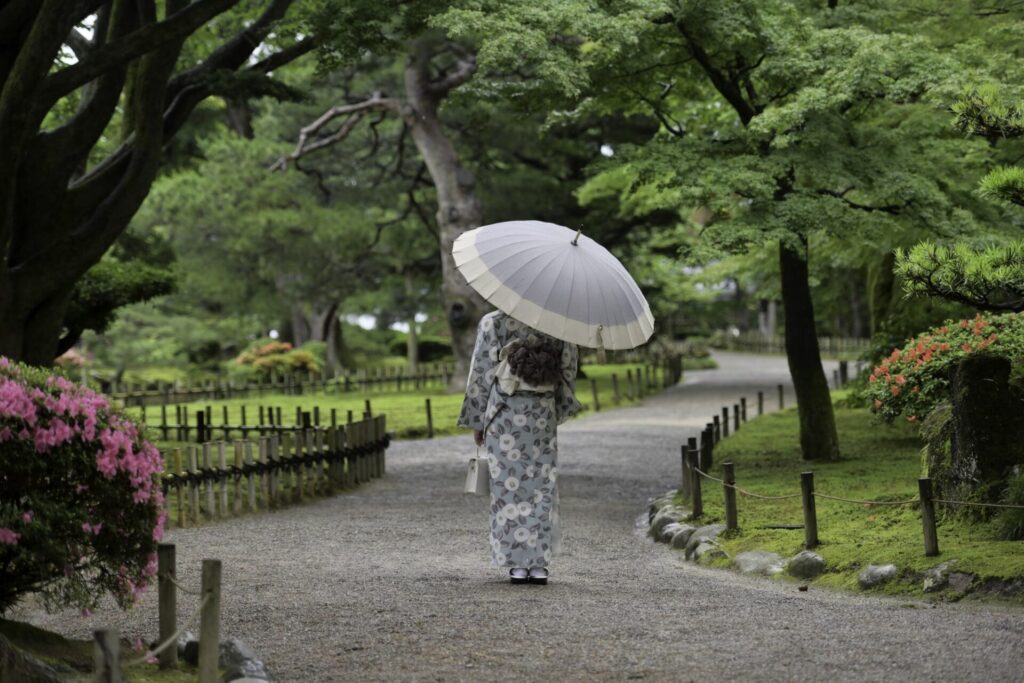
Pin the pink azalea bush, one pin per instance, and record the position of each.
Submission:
(913, 380)
(81, 508)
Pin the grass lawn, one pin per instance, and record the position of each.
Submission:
(879, 462)
(406, 411)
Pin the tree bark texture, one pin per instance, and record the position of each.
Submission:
(818, 437)
(458, 205)
(59, 213)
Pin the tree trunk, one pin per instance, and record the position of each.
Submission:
(881, 284)
(412, 342)
(310, 323)
(458, 206)
(818, 438)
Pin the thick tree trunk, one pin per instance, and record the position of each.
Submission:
(309, 323)
(458, 206)
(818, 438)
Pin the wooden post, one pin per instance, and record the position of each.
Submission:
(300, 474)
(224, 415)
(369, 410)
(707, 452)
(696, 502)
(209, 623)
(844, 372)
(334, 418)
(163, 420)
(243, 416)
(728, 490)
(168, 603)
(222, 463)
(316, 416)
(106, 649)
(630, 393)
(743, 409)
(760, 403)
(835, 379)
(725, 421)
(685, 487)
(782, 398)
(810, 515)
(430, 421)
(931, 536)
(250, 479)
(193, 489)
(593, 393)
(718, 428)
(211, 501)
(735, 417)
(200, 427)
(348, 418)
(616, 399)
(641, 390)
(179, 494)
(239, 451)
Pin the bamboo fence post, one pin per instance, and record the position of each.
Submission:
(725, 421)
(616, 398)
(369, 409)
(684, 482)
(593, 392)
(736, 417)
(630, 392)
(193, 488)
(239, 450)
(381, 433)
(931, 536)
(430, 421)
(106, 651)
(707, 453)
(300, 474)
(250, 479)
(200, 427)
(179, 494)
(782, 397)
(716, 420)
(640, 389)
(168, 603)
(209, 623)
(743, 409)
(222, 479)
(271, 455)
(728, 490)
(810, 514)
(760, 403)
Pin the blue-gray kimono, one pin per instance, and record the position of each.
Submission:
(519, 421)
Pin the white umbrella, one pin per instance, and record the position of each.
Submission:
(557, 281)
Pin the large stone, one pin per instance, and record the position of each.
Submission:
(759, 562)
(937, 578)
(703, 534)
(682, 536)
(657, 504)
(240, 662)
(665, 517)
(18, 665)
(708, 551)
(805, 565)
(669, 531)
(875, 575)
(961, 582)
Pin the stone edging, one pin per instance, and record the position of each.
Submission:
(238, 661)
(668, 523)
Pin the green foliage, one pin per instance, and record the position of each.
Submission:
(431, 348)
(268, 357)
(1005, 183)
(913, 380)
(1011, 522)
(991, 278)
(880, 462)
(81, 509)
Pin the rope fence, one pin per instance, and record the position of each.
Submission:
(697, 460)
(106, 648)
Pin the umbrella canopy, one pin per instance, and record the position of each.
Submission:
(557, 281)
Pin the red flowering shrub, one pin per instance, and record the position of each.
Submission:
(911, 381)
(265, 357)
(80, 503)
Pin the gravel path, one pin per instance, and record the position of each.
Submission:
(391, 582)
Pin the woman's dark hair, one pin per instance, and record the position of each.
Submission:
(537, 360)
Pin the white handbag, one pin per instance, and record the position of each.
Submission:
(478, 479)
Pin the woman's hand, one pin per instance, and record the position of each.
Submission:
(478, 437)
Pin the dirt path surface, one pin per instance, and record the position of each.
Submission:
(391, 582)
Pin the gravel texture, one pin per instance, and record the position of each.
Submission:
(391, 582)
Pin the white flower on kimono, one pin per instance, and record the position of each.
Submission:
(521, 534)
(472, 390)
(495, 471)
(547, 555)
(545, 470)
(519, 420)
(506, 442)
(493, 353)
(511, 324)
(510, 511)
(514, 454)
(538, 496)
(511, 483)
(500, 558)
(487, 324)
(524, 509)
(531, 471)
(554, 474)
(541, 422)
(489, 377)
(500, 518)
(531, 542)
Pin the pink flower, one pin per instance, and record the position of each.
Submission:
(9, 537)
(27, 517)
(92, 528)
(86, 612)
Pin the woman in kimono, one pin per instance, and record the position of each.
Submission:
(520, 388)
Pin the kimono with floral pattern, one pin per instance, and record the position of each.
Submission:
(522, 447)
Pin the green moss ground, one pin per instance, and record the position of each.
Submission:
(879, 462)
(73, 659)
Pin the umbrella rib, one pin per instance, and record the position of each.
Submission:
(557, 278)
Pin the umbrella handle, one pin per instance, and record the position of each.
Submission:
(576, 239)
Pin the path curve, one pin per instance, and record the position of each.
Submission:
(391, 582)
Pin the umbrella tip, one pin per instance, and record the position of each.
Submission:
(576, 239)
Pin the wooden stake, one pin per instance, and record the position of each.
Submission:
(209, 623)
(729, 477)
(168, 603)
(810, 514)
(931, 536)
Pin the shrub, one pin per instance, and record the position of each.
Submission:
(1011, 522)
(429, 348)
(80, 503)
(265, 357)
(913, 380)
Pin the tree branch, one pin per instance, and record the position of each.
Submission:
(354, 112)
(146, 39)
(465, 67)
(893, 209)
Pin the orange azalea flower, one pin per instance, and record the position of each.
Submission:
(967, 348)
(964, 324)
(912, 418)
(895, 390)
(900, 379)
(916, 390)
(878, 404)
